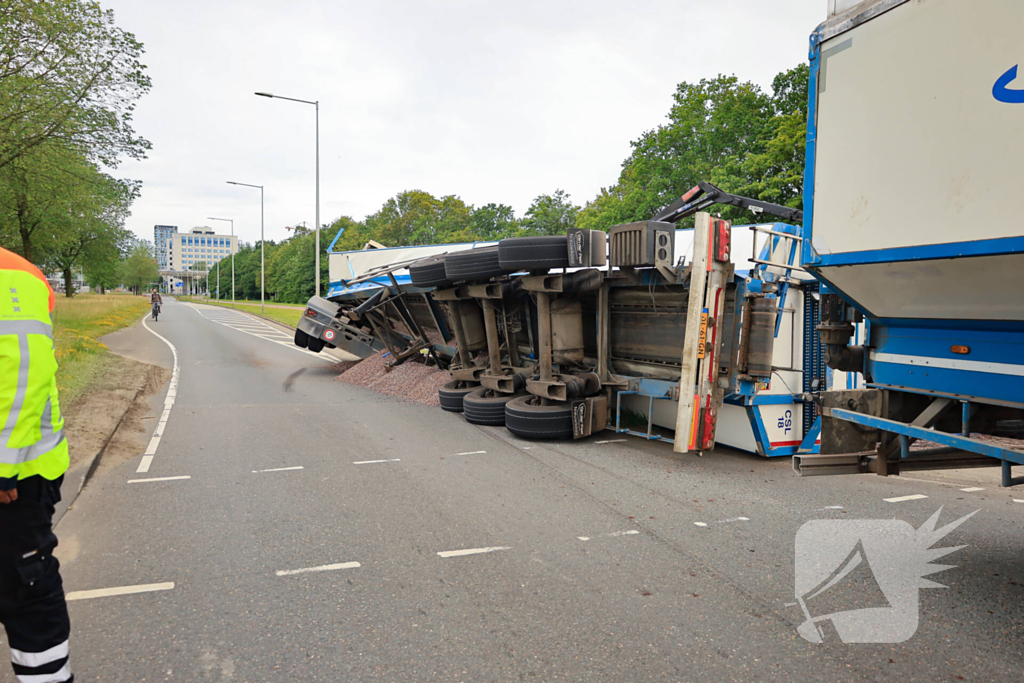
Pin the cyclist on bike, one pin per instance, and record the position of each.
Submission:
(155, 299)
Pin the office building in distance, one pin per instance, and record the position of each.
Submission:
(161, 242)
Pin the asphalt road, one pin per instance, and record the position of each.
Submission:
(606, 561)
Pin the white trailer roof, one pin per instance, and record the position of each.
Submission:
(844, 15)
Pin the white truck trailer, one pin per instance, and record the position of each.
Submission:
(915, 158)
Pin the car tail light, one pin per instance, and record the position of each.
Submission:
(310, 312)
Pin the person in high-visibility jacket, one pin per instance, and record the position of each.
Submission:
(33, 460)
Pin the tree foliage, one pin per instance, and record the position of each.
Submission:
(68, 74)
(720, 130)
(69, 80)
(139, 269)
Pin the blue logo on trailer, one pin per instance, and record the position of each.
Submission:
(1003, 93)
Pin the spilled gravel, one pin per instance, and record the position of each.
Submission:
(411, 381)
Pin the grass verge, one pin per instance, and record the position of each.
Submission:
(77, 325)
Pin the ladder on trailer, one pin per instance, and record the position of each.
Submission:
(700, 396)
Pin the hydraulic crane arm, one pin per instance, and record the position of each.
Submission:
(705, 195)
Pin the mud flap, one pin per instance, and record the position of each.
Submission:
(589, 416)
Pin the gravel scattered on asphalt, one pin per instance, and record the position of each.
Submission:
(410, 381)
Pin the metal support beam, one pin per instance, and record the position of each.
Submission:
(493, 346)
(460, 333)
(941, 438)
(1008, 478)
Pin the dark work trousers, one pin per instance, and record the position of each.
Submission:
(32, 607)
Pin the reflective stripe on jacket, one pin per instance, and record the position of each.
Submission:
(31, 427)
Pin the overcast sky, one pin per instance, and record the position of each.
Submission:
(491, 101)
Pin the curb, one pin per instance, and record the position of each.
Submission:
(94, 464)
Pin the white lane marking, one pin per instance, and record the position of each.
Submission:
(612, 441)
(172, 392)
(612, 534)
(139, 481)
(321, 568)
(734, 519)
(239, 328)
(473, 453)
(374, 462)
(279, 469)
(901, 499)
(119, 590)
(1018, 501)
(972, 489)
(699, 524)
(473, 551)
(829, 507)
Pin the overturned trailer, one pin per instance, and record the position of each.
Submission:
(921, 287)
(645, 330)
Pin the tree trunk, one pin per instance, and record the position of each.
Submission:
(26, 243)
(69, 286)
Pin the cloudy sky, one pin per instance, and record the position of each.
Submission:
(493, 101)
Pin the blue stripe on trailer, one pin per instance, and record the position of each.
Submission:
(925, 434)
(957, 382)
(924, 252)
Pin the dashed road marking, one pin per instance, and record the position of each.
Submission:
(279, 469)
(699, 524)
(734, 519)
(473, 551)
(376, 462)
(473, 453)
(119, 590)
(244, 323)
(139, 481)
(612, 441)
(972, 489)
(902, 499)
(830, 507)
(321, 568)
(612, 534)
(172, 393)
(1018, 501)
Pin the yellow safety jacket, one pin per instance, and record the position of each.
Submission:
(31, 427)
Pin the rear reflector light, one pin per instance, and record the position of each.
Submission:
(962, 350)
(310, 312)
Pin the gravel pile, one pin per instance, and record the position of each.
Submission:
(410, 381)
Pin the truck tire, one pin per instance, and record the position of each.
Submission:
(486, 407)
(301, 338)
(473, 264)
(534, 253)
(451, 395)
(527, 418)
(315, 345)
(429, 273)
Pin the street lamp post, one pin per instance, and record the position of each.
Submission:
(229, 220)
(263, 246)
(315, 103)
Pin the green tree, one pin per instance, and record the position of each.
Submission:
(720, 130)
(550, 214)
(139, 268)
(493, 222)
(68, 74)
